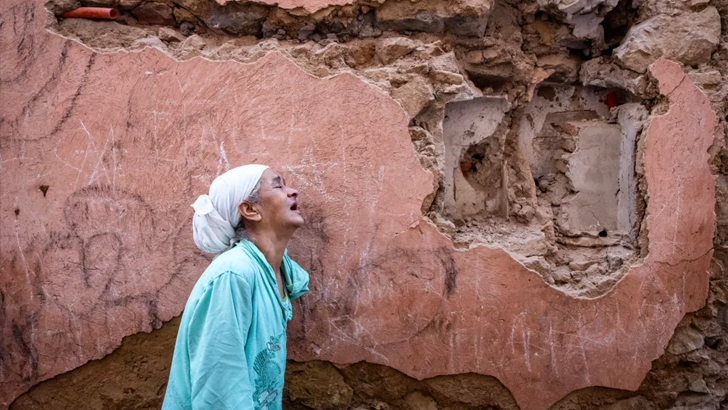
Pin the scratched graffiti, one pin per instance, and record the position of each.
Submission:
(105, 249)
(102, 262)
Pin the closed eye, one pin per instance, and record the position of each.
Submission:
(278, 182)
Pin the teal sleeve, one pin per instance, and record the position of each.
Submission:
(217, 333)
(297, 280)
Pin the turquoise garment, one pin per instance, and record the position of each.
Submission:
(231, 346)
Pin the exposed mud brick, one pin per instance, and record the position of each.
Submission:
(154, 13)
(633, 403)
(565, 68)
(360, 53)
(689, 38)
(317, 385)
(601, 72)
(472, 389)
(394, 48)
(237, 19)
(133, 377)
(374, 382)
(707, 80)
(414, 96)
(685, 340)
(183, 16)
(171, 35)
(461, 17)
(129, 4)
(418, 401)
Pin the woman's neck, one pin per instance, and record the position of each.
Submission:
(271, 246)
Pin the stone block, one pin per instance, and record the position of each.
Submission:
(317, 385)
(414, 96)
(460, 17)
(154, 13)
(600, 72)
(237, 19)
(689, 38)
(685, 340)
(565, 67)
(391, 49)
(633, 403)
(171, 35)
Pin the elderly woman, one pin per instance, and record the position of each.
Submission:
(231, 346)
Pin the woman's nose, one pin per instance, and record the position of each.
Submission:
(293, 192)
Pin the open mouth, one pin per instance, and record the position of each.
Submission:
(294, 207)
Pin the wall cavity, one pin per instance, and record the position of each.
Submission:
(564, 200)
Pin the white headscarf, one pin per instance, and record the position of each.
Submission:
(216, 214)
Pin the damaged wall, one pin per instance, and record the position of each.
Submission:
(508, 203)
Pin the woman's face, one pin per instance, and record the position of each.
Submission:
(278, 203)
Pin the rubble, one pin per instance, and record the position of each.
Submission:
(689, 38)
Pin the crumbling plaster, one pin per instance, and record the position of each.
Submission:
(477, 310)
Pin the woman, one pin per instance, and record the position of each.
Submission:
(231, 346)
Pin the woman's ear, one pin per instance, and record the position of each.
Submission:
(249, 211)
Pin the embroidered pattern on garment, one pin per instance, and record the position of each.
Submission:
(268, 373)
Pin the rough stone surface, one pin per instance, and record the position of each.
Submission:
(154, 13)
(593, 169)
(168, 34)
(565, 68)
(686, 340)
(461, 17)
(413, 96)
(317, 385)
(633, 403)
(600, 73)
(689, 38)
(571, 8)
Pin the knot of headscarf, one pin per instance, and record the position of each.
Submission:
(216, 214)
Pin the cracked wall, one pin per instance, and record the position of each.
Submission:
(578, 227)
(554, 226)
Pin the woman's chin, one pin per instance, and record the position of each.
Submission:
(296, 219)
